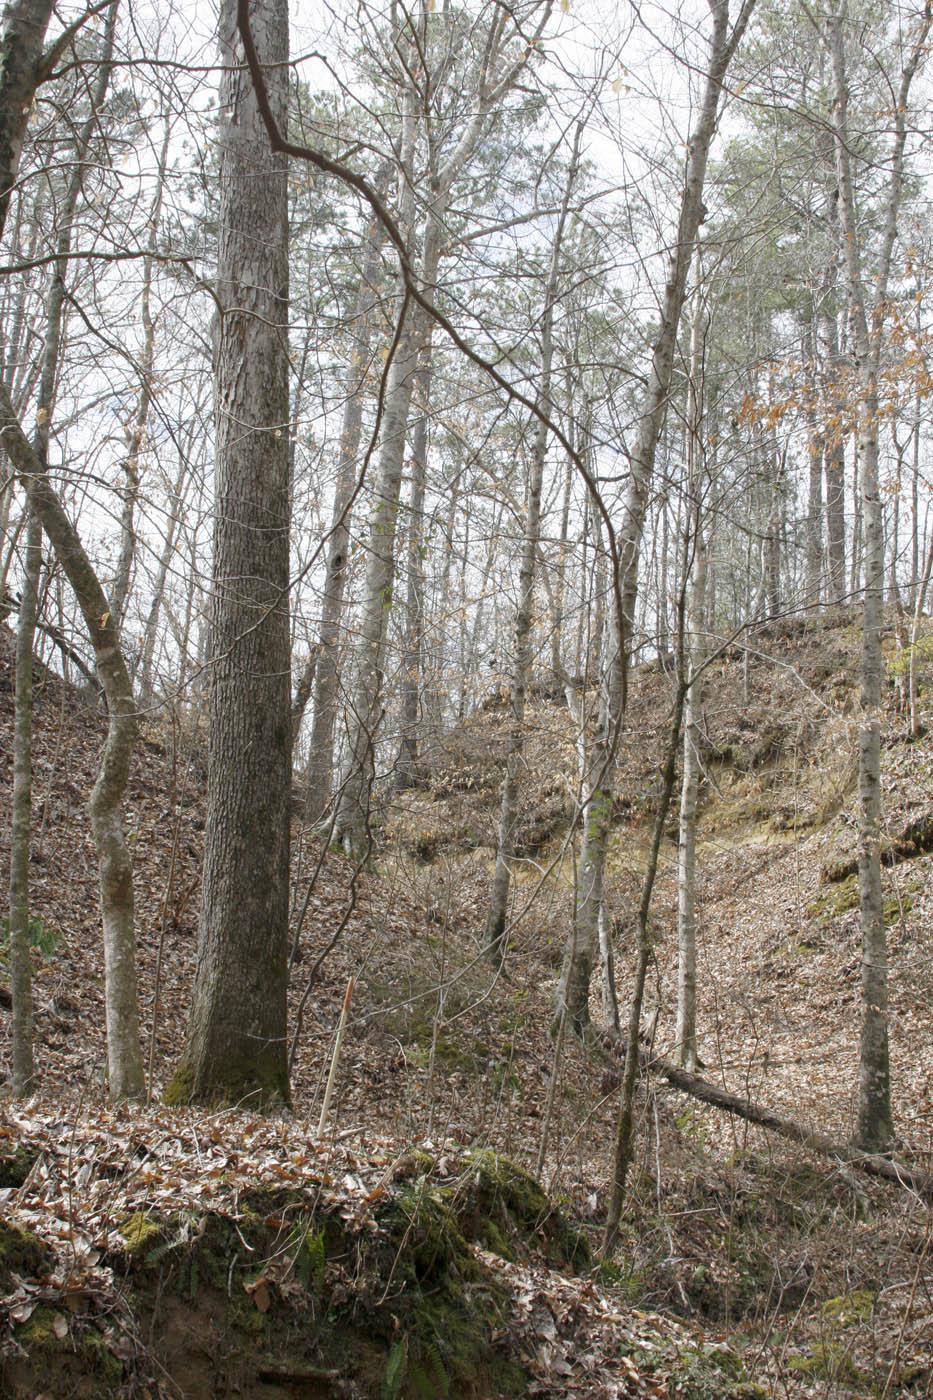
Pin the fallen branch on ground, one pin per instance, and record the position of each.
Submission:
(888, 1169)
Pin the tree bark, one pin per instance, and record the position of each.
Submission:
(875, 1127)
(21, 49)
(236, 1050)
(21, 826)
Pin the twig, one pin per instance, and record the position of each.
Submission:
(335, 1058)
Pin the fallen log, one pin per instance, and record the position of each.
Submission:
(872, 1164)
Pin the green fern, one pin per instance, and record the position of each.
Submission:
(429, 1377)
(396, 1370)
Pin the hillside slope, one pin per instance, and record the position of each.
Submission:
(753, 1243)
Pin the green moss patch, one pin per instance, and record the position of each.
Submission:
(21, 1253)
(503, 1208)
(395, 1303)
(16, 1166)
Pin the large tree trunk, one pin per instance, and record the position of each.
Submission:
(236, 1049)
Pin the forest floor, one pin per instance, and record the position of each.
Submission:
(176, 1252)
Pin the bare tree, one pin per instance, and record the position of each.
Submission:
(573, 990)
(867, 299)
(236, 1046)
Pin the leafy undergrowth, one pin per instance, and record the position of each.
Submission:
(743, 1262)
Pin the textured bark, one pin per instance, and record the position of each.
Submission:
(21, 46)
(236, 1048)
(573, 991)
(21, 825)
(875, 1128)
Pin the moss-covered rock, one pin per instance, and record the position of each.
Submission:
(16, 1166)
(828, 1361)
(503, 1208)
(22, 1253)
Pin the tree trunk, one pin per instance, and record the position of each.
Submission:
(412, 659)
(496, 917)
(124, 1051)
(150, 634)
(21, 827)
(813, 583)
(686, 1033)
(875, 1128)
(136, 433)
(573, 992)
(24, 26)
(834, 465)
(236, 1050)
(320, 768)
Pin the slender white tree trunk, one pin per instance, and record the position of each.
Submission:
(875, 1126)
(320, 771)
(497, 914)
(573, 988)
(21, 828)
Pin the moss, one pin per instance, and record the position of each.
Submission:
(842, 896)
(15, 1167)
(849, 1308)
(22, 1253)
(179, 1088)
(838, 898)
(81, 1361)
(500, 1201)
(265, 1087)
(827, 1361)
(140, 1232)
(446, 1304)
